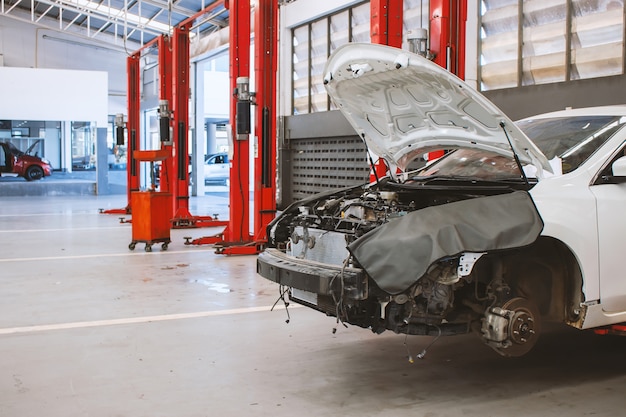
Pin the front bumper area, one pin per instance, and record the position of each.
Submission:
(311, 276)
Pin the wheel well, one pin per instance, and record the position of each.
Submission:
(547, 273)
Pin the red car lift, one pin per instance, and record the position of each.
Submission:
(236, 238)
(174, 92)
(178, 174)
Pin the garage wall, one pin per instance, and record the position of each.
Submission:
(521, 102)
(50, 94)
(27, 46)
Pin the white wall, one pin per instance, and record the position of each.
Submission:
(47, 94)
(216, 94)
(24, 45)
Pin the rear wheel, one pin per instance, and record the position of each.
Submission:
(34, 173)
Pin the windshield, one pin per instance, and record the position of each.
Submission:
(571, 139)
(568, 140)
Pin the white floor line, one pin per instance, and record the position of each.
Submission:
(60, 214)
(135, 320)
(105, 255)
(70, 229)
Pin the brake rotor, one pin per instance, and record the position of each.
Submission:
(524, 327)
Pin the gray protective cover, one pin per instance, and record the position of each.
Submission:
(396, 254)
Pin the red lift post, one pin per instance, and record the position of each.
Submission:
(265, 70)
(132, 127)
(266, 64)
(386, 22)
(237, 231)
(447, 39)
(164, 46)
(236, 238)
(237, 228)
(447, 34)
(385, 29)
(175, 79)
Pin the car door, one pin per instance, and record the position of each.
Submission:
(610, 193)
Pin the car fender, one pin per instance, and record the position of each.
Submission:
(571, 218)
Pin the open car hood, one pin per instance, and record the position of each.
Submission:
(31, 147)
(404, 105)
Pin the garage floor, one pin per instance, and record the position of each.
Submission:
(89, 328)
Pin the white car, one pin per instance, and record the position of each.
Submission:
(517, 224)
(217, 169)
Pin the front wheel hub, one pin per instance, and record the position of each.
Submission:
(513, 328)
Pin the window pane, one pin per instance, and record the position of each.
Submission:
(301, 69)
(361, 23)
(544, 41)
(339, 25)
(319, 55)
(596, 41)
(499, 44)
(312, 44)
(339, 34)
(597, 38)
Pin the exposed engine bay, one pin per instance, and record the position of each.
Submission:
(410, 259)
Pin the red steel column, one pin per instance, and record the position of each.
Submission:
(266, 65)
(167, 181)
(385, 29)
(386, 22)
(180, 121)
(132, 125)
(238, 229)
(447, 34)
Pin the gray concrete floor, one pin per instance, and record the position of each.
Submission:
(89, 328)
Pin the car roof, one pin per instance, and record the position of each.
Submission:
(614, 110)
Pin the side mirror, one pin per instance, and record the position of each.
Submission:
(619, 167)
(618, 173)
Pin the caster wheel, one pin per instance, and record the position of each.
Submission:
(164, 246)
(148, 248)
(131, 246)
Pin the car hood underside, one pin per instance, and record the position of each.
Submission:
(396, 254)
(403, 105)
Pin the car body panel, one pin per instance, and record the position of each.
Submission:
(402, 104)
(569, 206)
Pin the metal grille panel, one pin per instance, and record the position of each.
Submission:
(322, 164)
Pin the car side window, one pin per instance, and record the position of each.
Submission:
(607, 171)
(3, 157)
(218, 159)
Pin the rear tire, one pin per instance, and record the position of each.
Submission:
(34, 173)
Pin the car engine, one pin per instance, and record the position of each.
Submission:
(455, 294)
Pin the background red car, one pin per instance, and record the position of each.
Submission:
(31, 167)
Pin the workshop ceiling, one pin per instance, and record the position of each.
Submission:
(118, 21)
